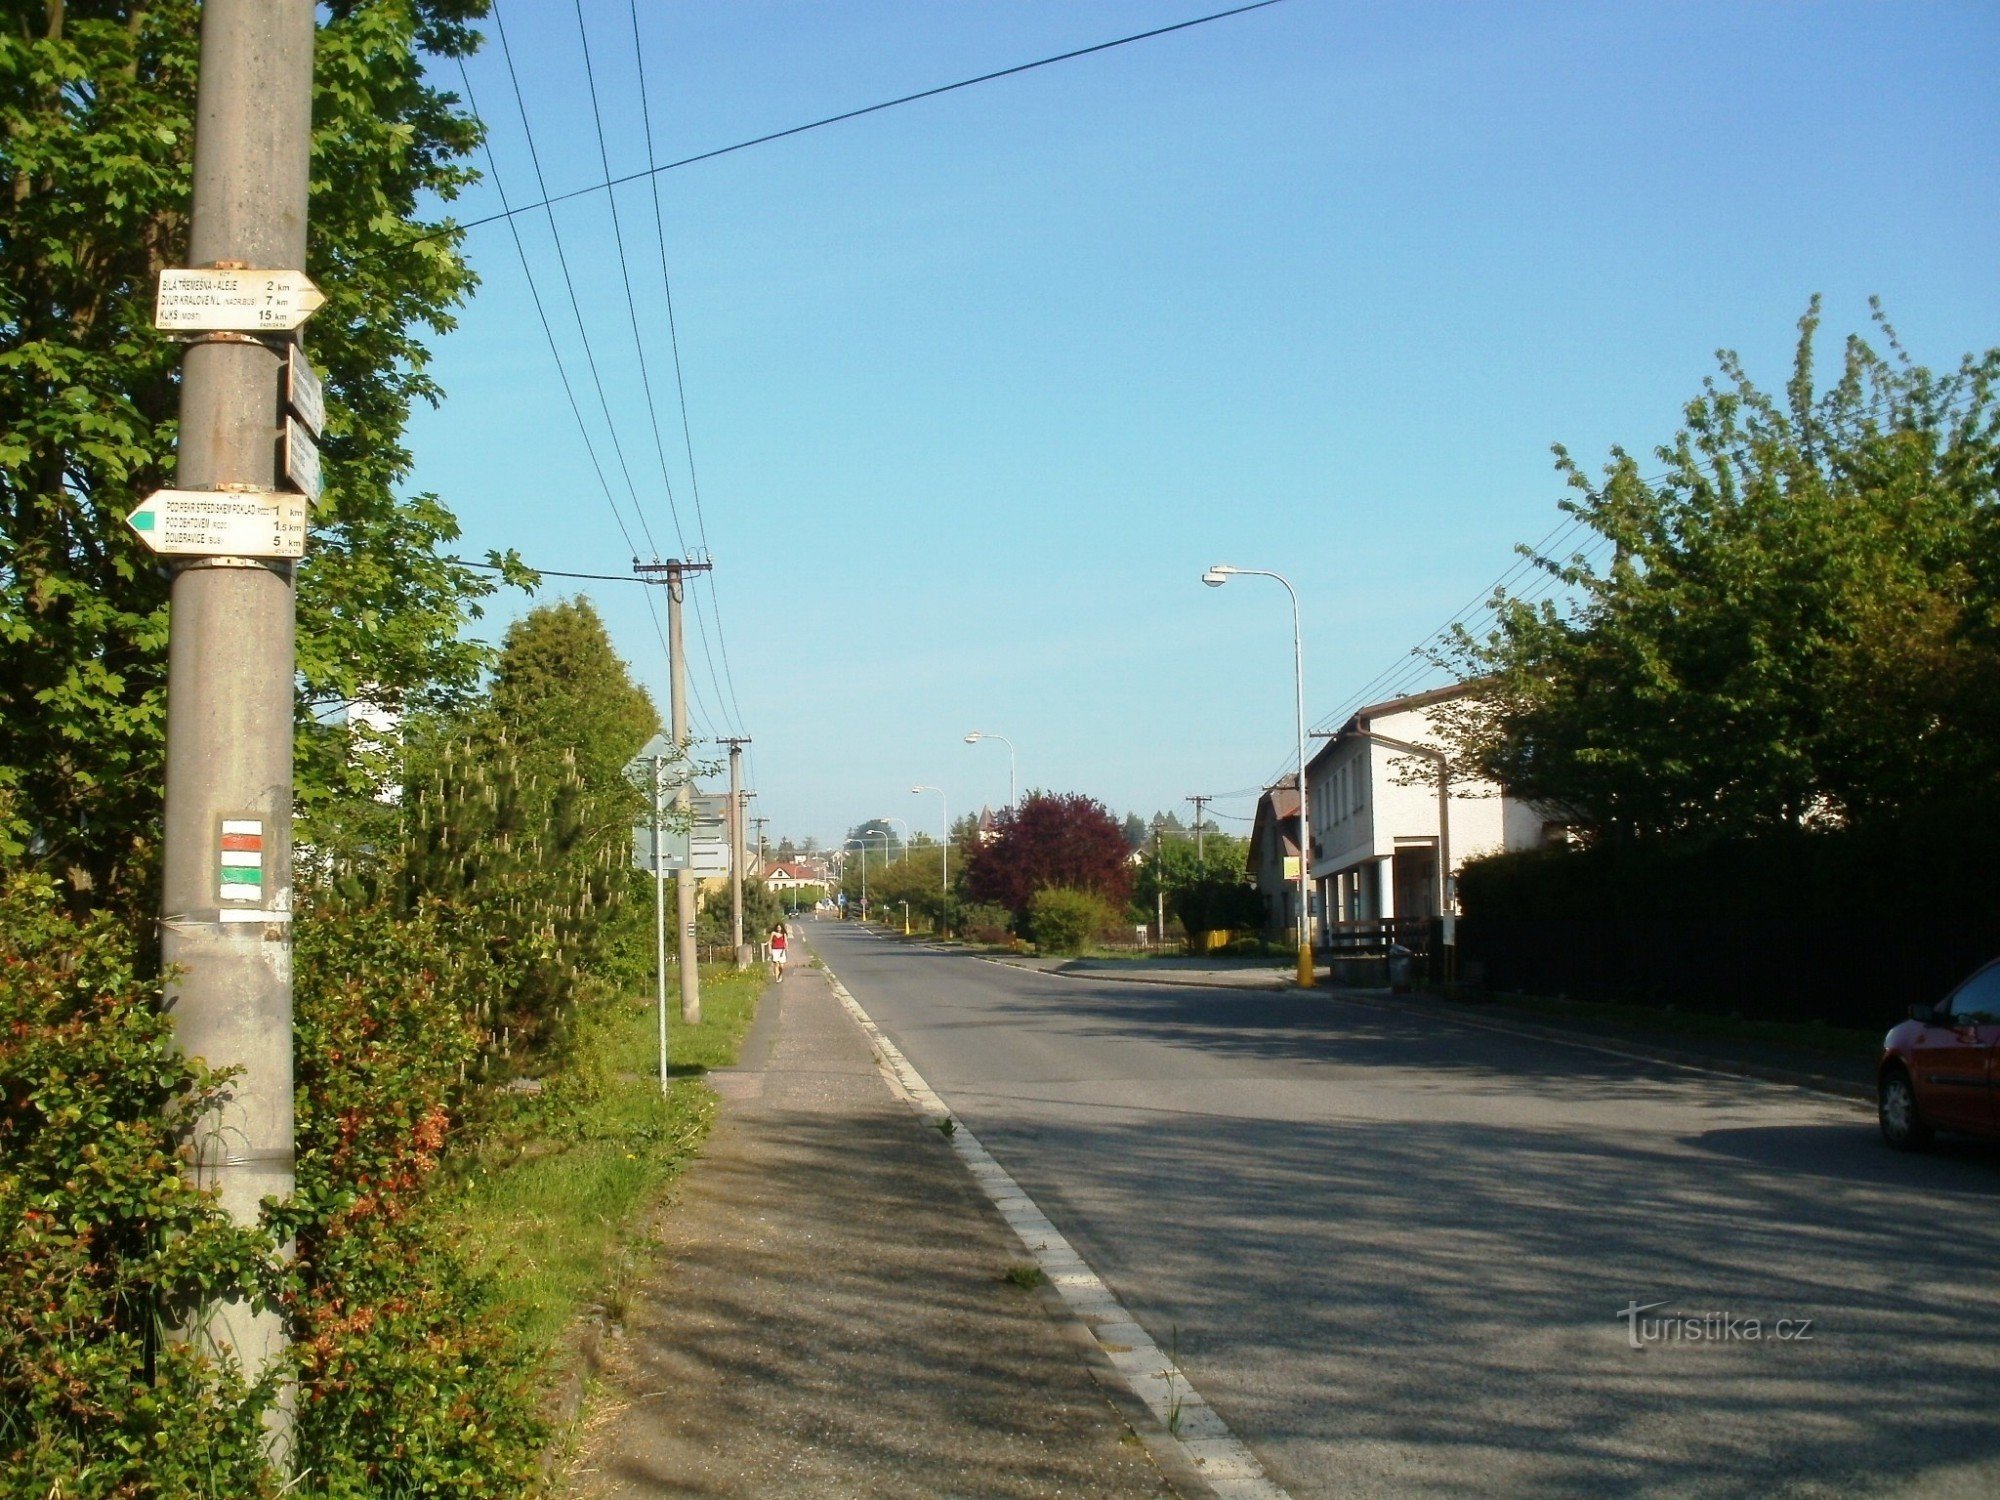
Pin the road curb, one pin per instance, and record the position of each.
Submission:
(1193, 1447)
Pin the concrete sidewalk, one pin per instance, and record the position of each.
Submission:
(832, 1316)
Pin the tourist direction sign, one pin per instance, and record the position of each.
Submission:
(199, 301)
(303, 390)
(301, 458)
(222, 523)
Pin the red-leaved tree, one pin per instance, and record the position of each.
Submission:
(1051, 839)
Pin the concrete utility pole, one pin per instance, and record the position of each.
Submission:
(737, 945)
(1199, 859)
(760, 822)
(225, 922)
(686, 882)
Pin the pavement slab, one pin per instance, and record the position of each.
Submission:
(831, 1314)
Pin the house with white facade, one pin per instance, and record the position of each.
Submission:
(795, 875)
(1380, 827)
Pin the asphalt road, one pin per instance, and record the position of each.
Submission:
(1393, 1252)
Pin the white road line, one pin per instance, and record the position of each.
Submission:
(1218, 1455)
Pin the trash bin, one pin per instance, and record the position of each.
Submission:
(1402, 969)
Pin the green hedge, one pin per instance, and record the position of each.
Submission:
(1846, 926)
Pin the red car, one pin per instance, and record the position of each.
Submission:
(1940, 1069)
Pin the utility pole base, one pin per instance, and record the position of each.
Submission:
(1306, 977)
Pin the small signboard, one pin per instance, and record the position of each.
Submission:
(708, 856)
(303, 391)
(673, 848)
(679, 851)
(302, 459)
(197, 301)
(222, 523)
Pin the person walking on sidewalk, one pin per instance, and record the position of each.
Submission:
(777, 946)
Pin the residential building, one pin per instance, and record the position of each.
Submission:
(1377, 819)
(1274, 857)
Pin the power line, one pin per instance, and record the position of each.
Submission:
(853, 114)
(541, 312)
(569, 281)
(544, 572)
(680, 390)
(583, 333)
(625, 275)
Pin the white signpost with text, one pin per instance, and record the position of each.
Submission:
(222, 523)
(238, 301)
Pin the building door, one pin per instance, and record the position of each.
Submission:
(1416, 882)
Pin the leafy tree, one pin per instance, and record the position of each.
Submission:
(1138, 832)
(1214, 903)
(96, 104)
(1795, 624)
(522, 813)
(1177, 864)
(1050, 839)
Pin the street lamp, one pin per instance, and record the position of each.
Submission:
(986, 734)
(1215, 578)
(945, 848)
(892, 818)
(863, 842)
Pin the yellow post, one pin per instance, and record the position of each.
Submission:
(1305, 966)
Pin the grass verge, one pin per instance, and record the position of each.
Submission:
(555, 1198)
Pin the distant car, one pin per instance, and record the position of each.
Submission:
(1940, 1069)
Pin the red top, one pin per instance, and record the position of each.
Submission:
(777, 942)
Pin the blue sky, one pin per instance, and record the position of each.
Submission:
(977, 387)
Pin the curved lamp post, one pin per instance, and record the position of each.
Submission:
(945, 847)
(1215, 578)
(863, 842)
(892, 818)
(986, 734)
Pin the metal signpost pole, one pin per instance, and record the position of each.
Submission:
(738, 947)
(225, 919)
(660, 906)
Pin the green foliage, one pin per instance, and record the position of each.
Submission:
(411, 1381)
(763, 910)
(96, 105)
(1176, 863)
(555, 1191)
(1796, 621)
(518, 816)
(1845, 925)
(1064, 920)
(987, 922)
(1218, 903)
(106, 1240)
